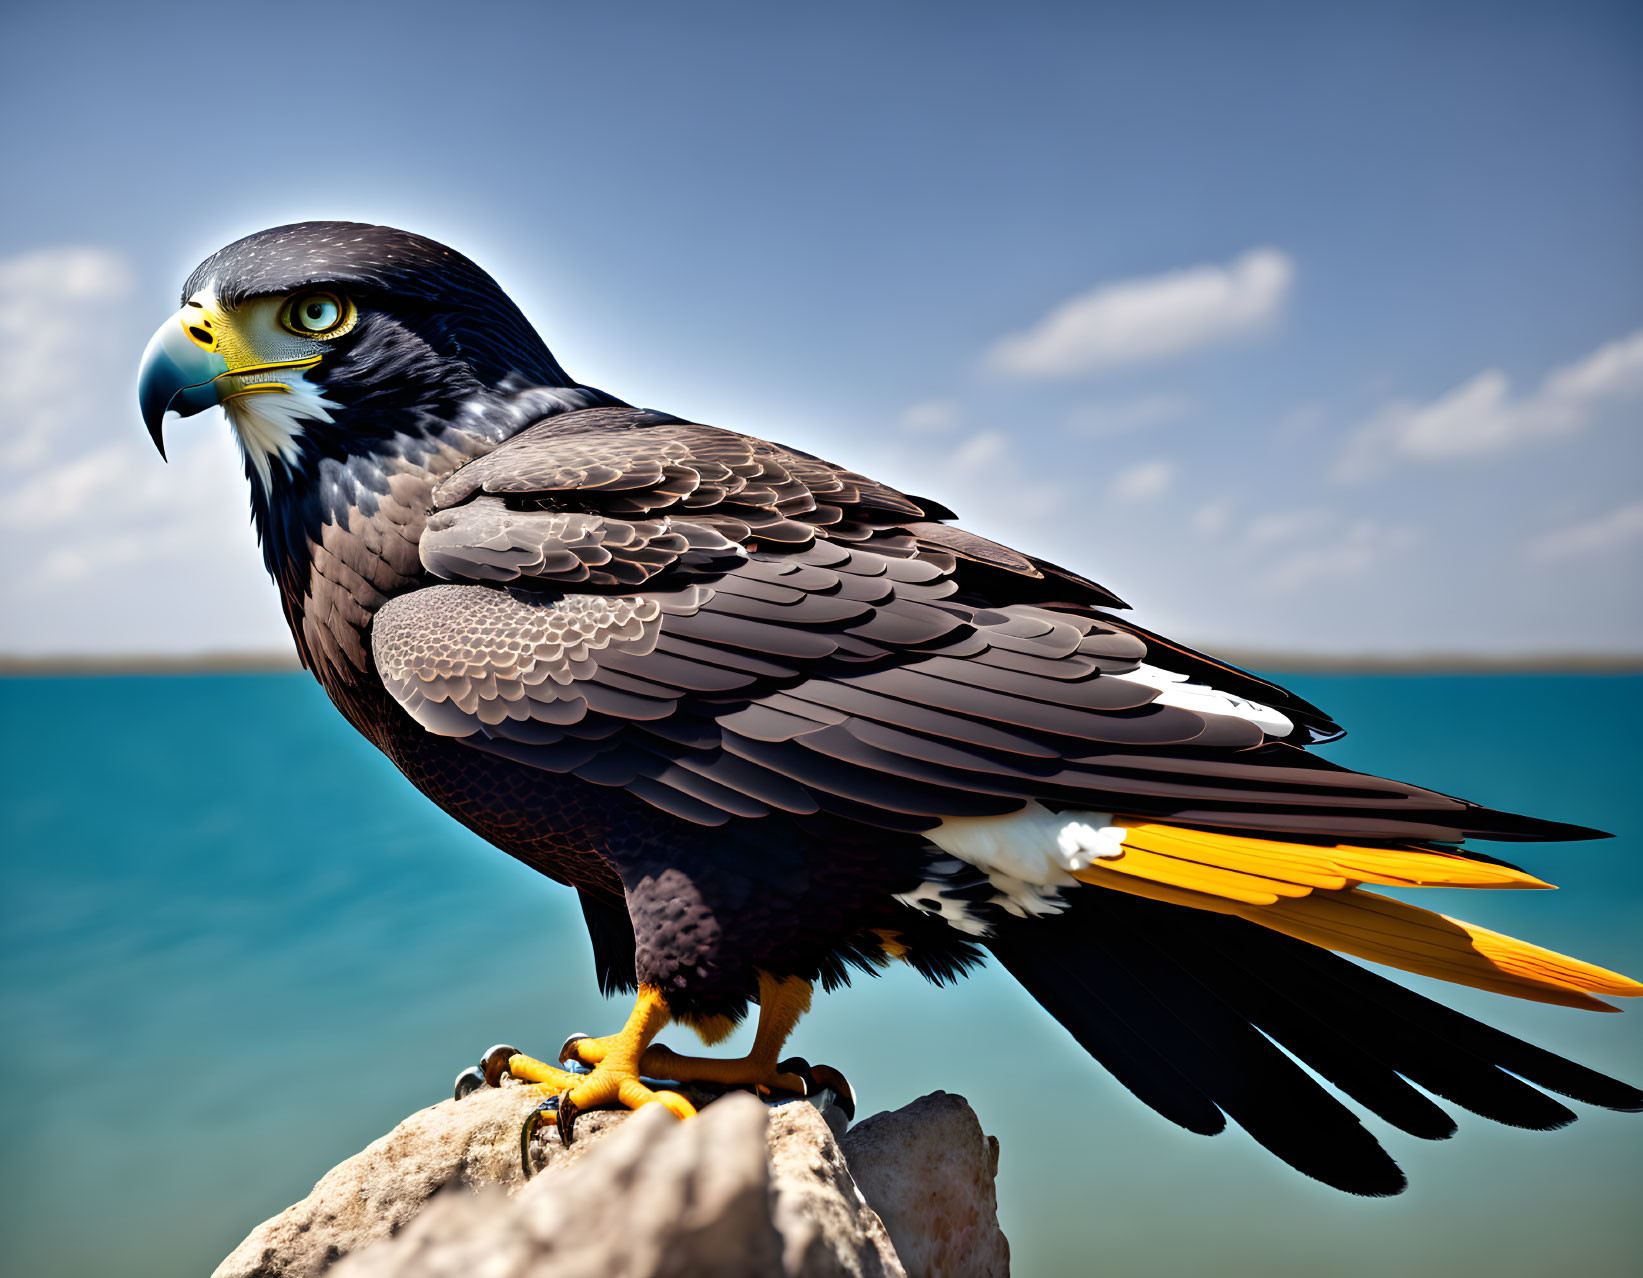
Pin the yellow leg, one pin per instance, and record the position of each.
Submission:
(782, 1001)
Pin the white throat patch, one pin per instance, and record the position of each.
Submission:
(269, 423)
(266, 406)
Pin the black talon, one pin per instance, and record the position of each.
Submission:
(533, 1120)
(469, 1081)
(494, 1063)
(567, 1050)
(565, 1116)
(798, 1065)
(826, 1078)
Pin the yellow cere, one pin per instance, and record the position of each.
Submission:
(267, 340)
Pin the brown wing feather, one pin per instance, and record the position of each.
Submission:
(808, 685)
(776, 624)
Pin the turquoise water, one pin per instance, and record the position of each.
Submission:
(237, 946)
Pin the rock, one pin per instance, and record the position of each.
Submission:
(928, 1170)
(742, 1189)
(661, 1197)
(375, 1193)
(818, 1205)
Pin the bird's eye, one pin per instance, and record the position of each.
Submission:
(314, 314)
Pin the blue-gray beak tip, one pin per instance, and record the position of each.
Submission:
(176, 376)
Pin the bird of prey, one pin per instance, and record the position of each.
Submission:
(774, 721)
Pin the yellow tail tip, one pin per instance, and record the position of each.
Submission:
(1311, 892)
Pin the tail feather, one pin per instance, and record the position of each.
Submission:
(1436, 1043)
(1141, 981)
(1214, 1061)
(1401, 935)
(1404, 1035)
(1310, 892)
(1121, 1032)
(1332, 1046)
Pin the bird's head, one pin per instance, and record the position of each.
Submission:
(325, 339)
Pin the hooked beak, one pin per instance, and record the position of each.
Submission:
(178, 374)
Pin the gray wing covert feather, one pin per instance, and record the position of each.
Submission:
(466, 660)
(830, 678)
(596, 459)
(727, 628)
(485, 540)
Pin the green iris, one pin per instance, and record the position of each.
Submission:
(315, 313)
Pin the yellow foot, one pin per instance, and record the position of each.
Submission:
(614, 1081)
(621, 1062)
(610, 1084)
(586, 1091)
(756, 1070)
(781, 1002)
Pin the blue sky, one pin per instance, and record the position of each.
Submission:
(1301, 330)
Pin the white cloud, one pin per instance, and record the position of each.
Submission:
(58, 495)
(53, 306)
(108, 549)
(1214, 517)
(1281, 552)
(1354, 551)
(980, 453)
(1279, 526)
(65, 566)
(1151, 318)
(1611, 370)
(118, 552)
(1100, 420)
(987, 464)
(72, 274)
(1143, 481)
(981, 476)
(1598, 536)
(1481, 417)
(1299, 422)
(930, 415)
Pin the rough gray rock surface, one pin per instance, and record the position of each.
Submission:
(464, 1144)
(661, 1197)
(818, 1209)
(742, 1189)
(929, 1171)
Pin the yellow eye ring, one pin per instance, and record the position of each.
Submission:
(317, 314)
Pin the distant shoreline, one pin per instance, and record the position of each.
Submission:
(151, 663)
(1286, 662)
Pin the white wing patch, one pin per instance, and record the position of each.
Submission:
(1034, 845)
(1179, 691)
(1017, 863)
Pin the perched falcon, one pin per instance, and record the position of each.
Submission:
(774, 721)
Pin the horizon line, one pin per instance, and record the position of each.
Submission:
(271, 661)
